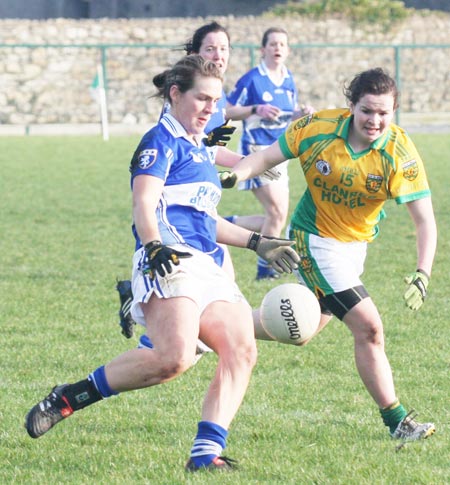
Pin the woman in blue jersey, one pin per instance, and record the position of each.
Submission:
(212, 42)
(181, 292)
(353, 161)
(265, 98)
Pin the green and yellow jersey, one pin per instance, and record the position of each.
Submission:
(347, 190)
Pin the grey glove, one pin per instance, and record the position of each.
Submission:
(271, 174)
(278, 252)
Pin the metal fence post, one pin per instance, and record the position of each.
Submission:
(397, 79)
(103, 50)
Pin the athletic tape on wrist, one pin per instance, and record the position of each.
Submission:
(253, 241)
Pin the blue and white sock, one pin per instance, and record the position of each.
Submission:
(209, 443)
(262, 263)
(231, 219)
(145, 342)
(98, 378)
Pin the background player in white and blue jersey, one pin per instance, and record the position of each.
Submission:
(212, 42)
(181, 292)
(265, 98)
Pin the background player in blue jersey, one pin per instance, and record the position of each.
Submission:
(180, 291)
(212, 42)
(265, 98)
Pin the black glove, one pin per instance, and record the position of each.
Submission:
(227, 179)
(278, 252)
(159, 259)
(220, 136)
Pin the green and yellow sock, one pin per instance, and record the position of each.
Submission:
(392, 415)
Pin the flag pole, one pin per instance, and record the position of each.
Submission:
(103, 104)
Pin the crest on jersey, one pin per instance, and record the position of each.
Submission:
(303, 121)
(323, 167)
(373, 182)
(267, 97)
(410, 170)
(306, 264)
(147, 158)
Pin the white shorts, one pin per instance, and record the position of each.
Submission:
(328, 265)
(198, 278)
(261, 180)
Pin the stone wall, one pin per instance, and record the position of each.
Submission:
(51, 84)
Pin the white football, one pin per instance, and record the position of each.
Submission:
(290, 313)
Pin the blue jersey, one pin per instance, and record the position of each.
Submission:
(187, 209)
(218, 117)
(256, 87)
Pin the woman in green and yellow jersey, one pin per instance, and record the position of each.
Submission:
(353, 161)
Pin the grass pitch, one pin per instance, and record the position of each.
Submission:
(306, 419)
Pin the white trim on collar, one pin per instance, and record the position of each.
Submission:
(264, 71)
(176, 129)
